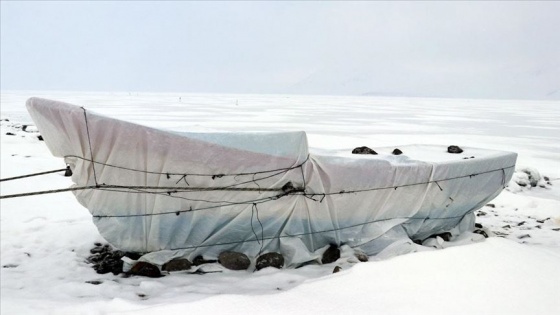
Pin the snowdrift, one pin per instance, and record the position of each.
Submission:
(187, 194)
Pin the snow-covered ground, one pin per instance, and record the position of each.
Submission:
(46, 239)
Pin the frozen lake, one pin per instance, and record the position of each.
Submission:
(45, 240)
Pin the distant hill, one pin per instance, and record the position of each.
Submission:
(540, 82)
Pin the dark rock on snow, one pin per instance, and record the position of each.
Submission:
(109, 265)
(397, 152)
(336, 269)
(10, 134)
(275, 260)
(133, 255)
(363, 150)
(331, 255)
(94, 282)
(361, 256)
(454, 149)
(234, 260)
(40, 138)
(100, 249)
(177, 265)
(481, 232)
(105, 259)
(146, 269)
(446, 236)
(478, 225)
(199, 260)
(10, 266)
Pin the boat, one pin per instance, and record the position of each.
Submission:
(174, 194)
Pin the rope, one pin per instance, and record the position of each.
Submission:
(174, 189)
(34, 174)
(295, 191)
(90, 149)
(404, 185)
(261, 242)
(213, 176)
(229, 188)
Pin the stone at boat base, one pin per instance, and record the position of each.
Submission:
(234, 260)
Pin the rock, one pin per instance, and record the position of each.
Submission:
(199, 260)
(361, 256)
(481, 213)
(506, 226)
(10, 266)
(97, 244)
(524, 236)
(102, 268)
(481, 232)
(68, 172)
(363, 150)
(177, 265)
(40, 138)
(97, 250)
(454, 149)
(397, 152)
(94, 258)
(478, 225)
(133, 255)
(306, 263)
(336, 269)
(446, 236)
(275, 260)
(234, 260)
(117, 254)
(10, 134)
(146, 269)
(331, 255)
(109, 264)
(491, 205)
(94, 282)
(556, 229)
(521, 223)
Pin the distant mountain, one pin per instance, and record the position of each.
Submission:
(513, 82)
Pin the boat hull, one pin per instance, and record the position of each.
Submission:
(188, 194)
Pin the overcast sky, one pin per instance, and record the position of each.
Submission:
(445, 49)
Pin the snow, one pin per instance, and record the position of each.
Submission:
(46, 239)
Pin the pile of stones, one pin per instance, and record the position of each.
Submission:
(105, 259)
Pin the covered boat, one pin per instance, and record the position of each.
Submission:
(174, 194)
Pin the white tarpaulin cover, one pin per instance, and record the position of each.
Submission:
(189, 194)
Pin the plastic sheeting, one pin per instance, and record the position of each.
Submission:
(189, 194)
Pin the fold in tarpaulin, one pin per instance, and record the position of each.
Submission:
(188, 194)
